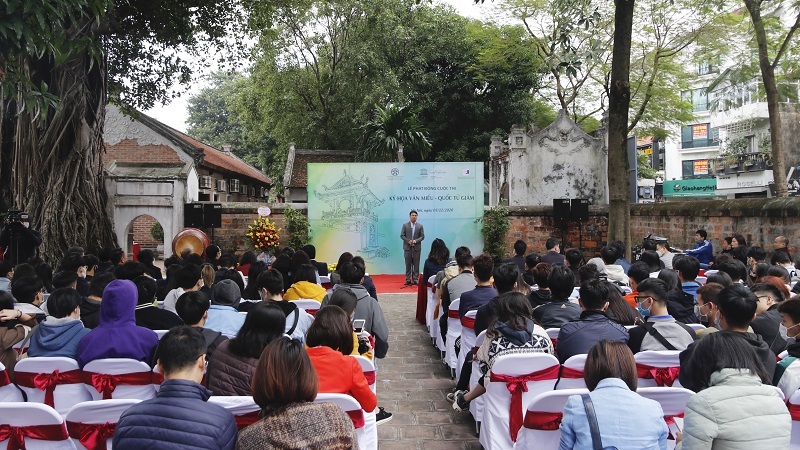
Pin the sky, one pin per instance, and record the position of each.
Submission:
(175, 114)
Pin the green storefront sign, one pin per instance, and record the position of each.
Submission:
(697, 187)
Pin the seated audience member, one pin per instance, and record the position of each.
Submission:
(594, 325)
(505, 278)
(345, 298)
(755, 255)
(783, 259)
(76, 264)
(212, 253)
(670, 277)
(61, 331)
(227, 262)
(65, 279)
(147, 313)
(285, 386)
(520, 247)
(542, 295)
(721, 278)
(737, 308)
(679, 303)
(248, 258)
(270, 285)
(230, 372)
(209, 276)
(664, 254)
(6, 274)
(117, 336)
(305, 285)
(189, 278)
(735, 407)
(614, 272)
(610, 375)
(180, 416)
(707, 308)
(619, 246)
(14, 327)
(650, 257)
(251, 291)
(619, 310)
(574, 257)
(129, 270)
(230, 274)
(660, 331)
(344, 258)
(283, 264)
(552, 256)
(518, 334)
(368, 284)
(637, 273)
(531, 261)
(735, 269)
(322, 267)
(781, 273)
(367, 308)
(223, 315)
(330, 342)
(437, 259)
(192, 309)
(483, 266)
(453, 288)
(559, 310)
(146, 257)
(787, 372)
(688, 268)
(768, 319)
(90, 305)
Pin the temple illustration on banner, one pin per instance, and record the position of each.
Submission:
(351, 209)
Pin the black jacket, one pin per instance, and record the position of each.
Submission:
(90, 312)
(556, 313)
(681, 306)
(767, 325)
(20, 243)
(149, 316)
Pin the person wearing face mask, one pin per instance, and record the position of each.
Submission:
(662, 248)
(768, 319)
(660, 331)
(787, 372)
(706, 308)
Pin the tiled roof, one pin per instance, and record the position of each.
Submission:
(299, 176)
(223, 160)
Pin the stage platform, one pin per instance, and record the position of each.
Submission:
(392, 284)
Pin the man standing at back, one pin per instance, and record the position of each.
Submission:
(552, 256)
(412, 235)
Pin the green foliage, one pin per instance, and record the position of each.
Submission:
(495, 228)
(297, 227)
(644, 169)
(390, 129)
(157, 232)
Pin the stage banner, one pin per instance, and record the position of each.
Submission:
(361, 207)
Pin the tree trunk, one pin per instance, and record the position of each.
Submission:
(56, 160)
(619, 208)
(771, 90)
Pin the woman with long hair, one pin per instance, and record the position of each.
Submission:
(284, 387)
(437, 259)
(230, 372)
(251, 291)
(344, 258)
(618, 308)
(610, 375)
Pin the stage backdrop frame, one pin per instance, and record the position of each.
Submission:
(361, 207)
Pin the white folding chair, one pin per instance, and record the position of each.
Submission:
(658, 368)
(552, 333)
(701, 280)
(571, 376)
(453, 333)
(96, 418)
(436, 334)
(794, 409)
(538, 372)
(476, 406)
(673, 403)
(311, 306)
(368, 367)
(118, 378)
(431, 305)
(468, 339)
(34, 419)
(160, 333)
(8, 392)
(696, 326)
(60, 381)
(366, 430)
(540, 428)
(244, 409)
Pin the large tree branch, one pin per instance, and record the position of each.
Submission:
(785, 43)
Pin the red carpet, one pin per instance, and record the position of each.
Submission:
(392, 284)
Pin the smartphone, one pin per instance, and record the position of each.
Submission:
(358, 325)
(674, 428)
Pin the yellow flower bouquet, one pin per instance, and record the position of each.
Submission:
(264, 235)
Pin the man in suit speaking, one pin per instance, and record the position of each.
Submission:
(412, 235)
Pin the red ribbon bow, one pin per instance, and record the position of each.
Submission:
(47, 382)
(543, 420)
(357, 417)
(662, 375)
(5, 380)
(794, 411)
(93, 436)
(452, 314)
(569, 372)
(16, 435)
(517, 385)
(370, 376)
(245, 420)
(468, 322)
(107, 383)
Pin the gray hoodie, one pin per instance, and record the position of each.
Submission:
(370, 311)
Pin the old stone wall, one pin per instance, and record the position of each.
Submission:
(141, 232)
(235, 219)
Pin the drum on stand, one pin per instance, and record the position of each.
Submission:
(192, 239)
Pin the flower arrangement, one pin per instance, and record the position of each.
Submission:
(263, 234)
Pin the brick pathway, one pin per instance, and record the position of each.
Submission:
(412, 384)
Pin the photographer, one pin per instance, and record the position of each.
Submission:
(18, 239)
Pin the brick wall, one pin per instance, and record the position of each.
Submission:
(235, 219)
(141, 232)
(535, 224)
(129, 151)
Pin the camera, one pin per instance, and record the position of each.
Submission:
(16, 215)
(363, 345)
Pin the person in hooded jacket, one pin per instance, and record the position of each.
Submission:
(305, 285)
(270, 285)
(90, 305)
(62, 330)
(148, 315)
(737, 308)
(117, 336)
(223, 315)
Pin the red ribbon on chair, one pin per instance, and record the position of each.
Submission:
(543, 420)
(107, 383)
(452, 314)
(47, 382)
(357, 416)
(245, 420)
(370, 376)
(16, 435)
(312, 312)
(516, 386)
(662, 375)
(794, 411)
(669, 420)
(5, 380)
(93, 436)
(568, 372)
(468, 322)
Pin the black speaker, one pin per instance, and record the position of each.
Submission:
(580, 209)
(212, 215)
(561, 209)
(193, 215)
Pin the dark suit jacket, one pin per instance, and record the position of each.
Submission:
(322, 268)
(405, 235)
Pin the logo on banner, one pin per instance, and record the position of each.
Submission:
(395, 171)
(466, 172)
(423, 172)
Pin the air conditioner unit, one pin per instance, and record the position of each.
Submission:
(205, 182)
(233, 185)
(221, 185)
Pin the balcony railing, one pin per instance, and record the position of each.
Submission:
(747, 162)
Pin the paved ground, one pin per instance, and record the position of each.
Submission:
(412, 384)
